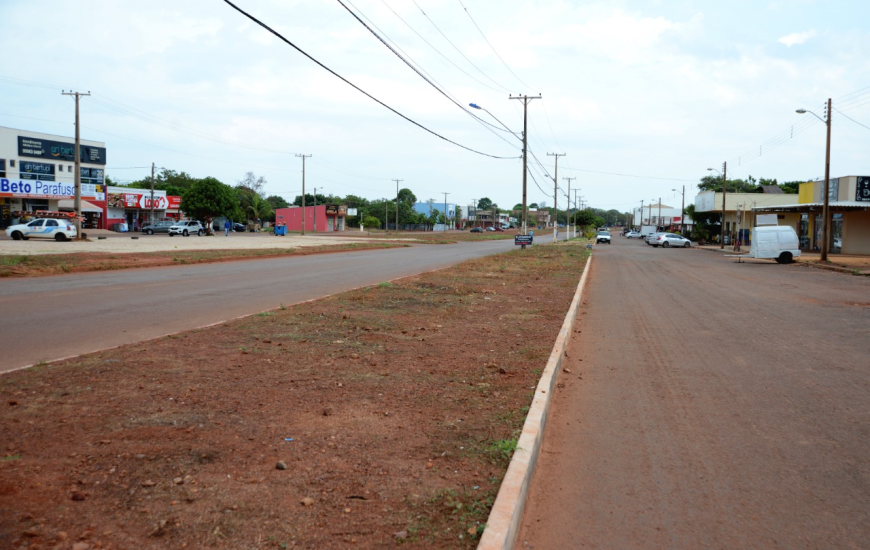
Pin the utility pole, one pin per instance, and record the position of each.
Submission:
(397, 203)
(826, 217)
(78, 165)
(152, 193)
(683, 214)
(303, 191)
(576, 207)
(315, 210)
(386, 216)
(649, 216)
(660, 215)
(724, 191)
(525, 99)
(445, 210)
(569, 205)
(640, 223)
(556, 195)
(474, 203)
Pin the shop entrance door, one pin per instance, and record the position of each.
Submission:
(836, 234)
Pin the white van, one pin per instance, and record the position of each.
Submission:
(777, 242)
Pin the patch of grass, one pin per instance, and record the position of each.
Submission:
(13, 260)
(504, 449)
(10, 457)
(386, 284)
(266, 313)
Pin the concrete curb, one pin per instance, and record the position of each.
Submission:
(503, 524)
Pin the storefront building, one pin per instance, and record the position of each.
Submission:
(322, 218)
(849, 207)
(133, 207)
(37, 174)
(740, 209)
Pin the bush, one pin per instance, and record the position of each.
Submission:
(371, 222)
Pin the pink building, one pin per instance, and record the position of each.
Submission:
(328, 217)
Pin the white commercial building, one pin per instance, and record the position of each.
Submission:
(37, 174)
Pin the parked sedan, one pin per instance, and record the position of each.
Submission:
(158, 227)
(650, 237)
(476, 230)
(633, 235)
(666, 240)
(43, 228)
(186, 228)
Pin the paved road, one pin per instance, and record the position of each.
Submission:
(710, 405)
(48, 318)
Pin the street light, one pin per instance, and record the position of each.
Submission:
(724, 194)
(825, 212)
(683, 212)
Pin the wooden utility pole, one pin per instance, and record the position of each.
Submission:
(724, 193)
(303, 157)
(315, 210)
(569, 205)
(826, 216)
(525, 99)
(152, 194)
(556, 195)
(397, 203)
(445, 210)
(77, 204)
(659, 222)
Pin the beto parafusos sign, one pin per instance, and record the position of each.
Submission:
(36, 188)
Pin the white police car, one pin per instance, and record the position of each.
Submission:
(43, 228)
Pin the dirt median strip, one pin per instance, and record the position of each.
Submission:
(503, 523)
(383, 414)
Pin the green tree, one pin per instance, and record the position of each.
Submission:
(207, 199)
(371, 222)
(407, 197)
(484, 204)
(259, 208)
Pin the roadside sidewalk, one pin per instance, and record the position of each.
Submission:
(858, 264)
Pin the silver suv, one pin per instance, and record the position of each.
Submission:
(186, 228)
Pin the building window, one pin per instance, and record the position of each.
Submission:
(11, 163)
(69, 168)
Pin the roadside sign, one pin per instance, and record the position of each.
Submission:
(523, 239)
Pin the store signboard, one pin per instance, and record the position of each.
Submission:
(174, 202)
(59, 150)
(38, 189)
(92, 175)
(133, 200)
(331, 209)
(862, 189)
(29, 170)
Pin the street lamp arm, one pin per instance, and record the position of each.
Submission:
(476, 106)
(804, 111)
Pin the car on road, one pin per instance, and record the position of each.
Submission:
(666, 240)
(476, 230)
(498, 229)
(602, 237)
(43, 228)
(633, 235)
(158, 227)
(490, 228)
(186, 228)
(650, 237)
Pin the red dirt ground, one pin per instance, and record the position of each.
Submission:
(403, 401)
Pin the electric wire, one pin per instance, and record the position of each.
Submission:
(418, 71)
(354, 86)
(491, 46)
(852, 119)
(457, 49)
(482, 83)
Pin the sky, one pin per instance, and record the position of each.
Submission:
(641, 96)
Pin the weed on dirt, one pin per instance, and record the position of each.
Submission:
(381, 416)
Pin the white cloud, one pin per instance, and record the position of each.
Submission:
(797, 37)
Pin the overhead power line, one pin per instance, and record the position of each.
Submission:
(427, 77)
(455, 47)
(492, 47)
(850, 118)
(357, 88)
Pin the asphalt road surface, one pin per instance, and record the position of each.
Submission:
(710, 404)
(47, 318)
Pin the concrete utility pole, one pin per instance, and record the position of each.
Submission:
(576, 207)
(556, 195)
(445, 210)
(152, 192)
(303, 190)
(525, 99)
(641, 214)
(315, 210)
(649, 216)
(569, 206)
(77, 204)
(397, 203)
(474, 203)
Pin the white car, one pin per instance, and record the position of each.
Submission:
(43, 228)
(186, 228)
(666, 240)
(633, 235)
(603, 237)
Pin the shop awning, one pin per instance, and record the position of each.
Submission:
(69, 204)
